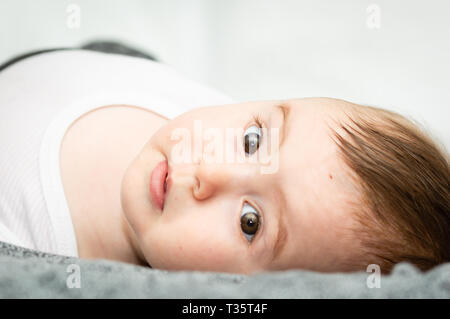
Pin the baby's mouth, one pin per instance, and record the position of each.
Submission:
(165, 183)
(158, 184)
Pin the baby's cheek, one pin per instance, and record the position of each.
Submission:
(193, 254)
(190, 242)
(210, 255)
(190, 253)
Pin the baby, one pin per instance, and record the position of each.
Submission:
(315, 183)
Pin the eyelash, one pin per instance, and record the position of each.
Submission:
(257, 118)
(261, 222)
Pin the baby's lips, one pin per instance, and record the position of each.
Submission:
(157, 180)
(167, 185)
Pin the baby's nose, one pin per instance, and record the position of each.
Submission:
(214, 178)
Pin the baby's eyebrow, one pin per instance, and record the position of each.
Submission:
(281, 237)
(285, 110)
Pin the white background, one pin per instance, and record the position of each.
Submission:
(260, 49)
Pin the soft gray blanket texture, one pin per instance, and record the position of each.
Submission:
(26, 273)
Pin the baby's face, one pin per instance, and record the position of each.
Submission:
(223, 215)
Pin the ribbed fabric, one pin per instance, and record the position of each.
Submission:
(40, 97)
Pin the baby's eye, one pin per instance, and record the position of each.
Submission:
(249, 221)
(252, 136)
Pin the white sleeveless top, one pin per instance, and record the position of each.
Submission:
(40, 97)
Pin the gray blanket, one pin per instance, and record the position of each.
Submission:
(26, 273)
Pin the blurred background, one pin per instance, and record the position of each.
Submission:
(393, 54)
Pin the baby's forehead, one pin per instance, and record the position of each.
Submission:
(309, 148)
(311, 124)
(310, 161)
(324, 108)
